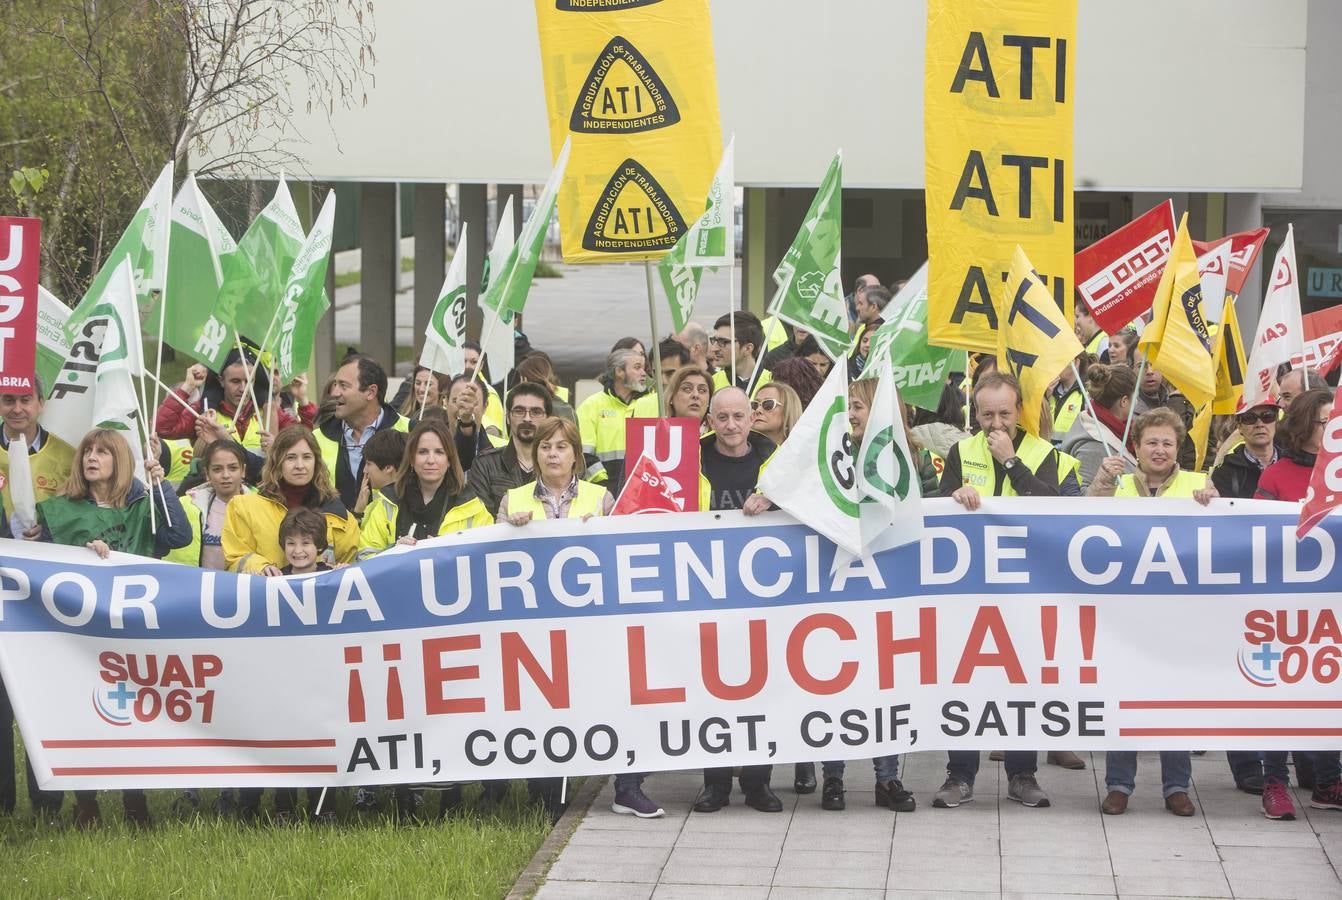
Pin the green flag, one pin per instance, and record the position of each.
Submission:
(198, 243)
(919, 369)
(145, 244)
(508, 288)
(709, 243)
(810, 289)
(305, 299)
(254, 277)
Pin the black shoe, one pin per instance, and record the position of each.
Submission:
(1251, 784)
(762, 798)
(891, 794)
(713, 798)
(831, 795)
(803, 781)
(450, 800)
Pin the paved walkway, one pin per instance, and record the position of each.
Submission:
(989, 848)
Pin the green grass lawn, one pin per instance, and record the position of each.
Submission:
(475, 852)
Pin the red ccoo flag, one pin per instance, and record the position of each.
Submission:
(1325, 482)
(645, 491)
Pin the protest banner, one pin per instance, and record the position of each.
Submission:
(20, 268)
(1325, 480)
(672, 446)
(633, 85)
(1117, 275)
(998, 106)
(622, 645)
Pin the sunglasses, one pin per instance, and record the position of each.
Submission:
(1263, 415)
(768, 405)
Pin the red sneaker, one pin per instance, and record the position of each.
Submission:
(1327, 797)
(1277, 803)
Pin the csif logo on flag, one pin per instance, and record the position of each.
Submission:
(885, 466)
(622, 95)
(634, 213)
(457, 309)
(835, 449)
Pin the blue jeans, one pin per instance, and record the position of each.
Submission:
(1244, 763)
(1176, 771)
(629, 781)
(963, 765)
(887, 767)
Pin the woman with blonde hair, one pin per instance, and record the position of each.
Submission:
(775, 411)
(293, 474)
(104, 507)
(427, 388)
(688, 395)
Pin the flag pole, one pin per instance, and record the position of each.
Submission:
(759, 354)
(1132, 402)
(250, 372)
(731, 313)
(158, 364)
(656, 342)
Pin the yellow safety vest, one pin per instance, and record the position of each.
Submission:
(976, 462)
(331, 449)
(180, 454)
(50, 467)
(589, 501)
(721, 380)
(779, 333)
(1065, 411)
(378, 531)
(601, 419)
(1093, 345)
(1183, 484)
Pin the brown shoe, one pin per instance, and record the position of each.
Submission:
(87, 813)
(1115, 804)
(997, 755)
(1179, 804)
(1065, 758)
(135, 807)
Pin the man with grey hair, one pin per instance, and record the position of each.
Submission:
(859, 288)
(731, 458)
(601, 417)
(870, 303)
(1296, 381)
(695, 338)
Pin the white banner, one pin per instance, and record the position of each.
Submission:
(674, 642)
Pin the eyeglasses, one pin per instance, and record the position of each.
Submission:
(719, 341)
(1263, 415)
(768, 405)
(524, 412)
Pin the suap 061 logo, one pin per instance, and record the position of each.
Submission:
(1288, 646)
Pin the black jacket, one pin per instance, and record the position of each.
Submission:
(333, 430)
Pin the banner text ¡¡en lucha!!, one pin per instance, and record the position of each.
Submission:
(649, 643)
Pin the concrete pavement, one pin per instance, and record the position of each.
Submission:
(989, 848)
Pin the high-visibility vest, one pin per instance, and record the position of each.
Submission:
(1183, 484)
(976, 462)
(49, 466)
(180, 454)
(1093, 345)
(378, 531)
(1065, 410)
(721, 379)
(588, 502)
(601, 419)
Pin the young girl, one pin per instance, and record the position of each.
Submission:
(293, 475)
(104, 507)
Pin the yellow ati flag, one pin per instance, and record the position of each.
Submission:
(632, 84)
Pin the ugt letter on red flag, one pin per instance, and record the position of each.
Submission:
(1325, 482)
(20, 240)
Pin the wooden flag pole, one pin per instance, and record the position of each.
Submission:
(656, 342)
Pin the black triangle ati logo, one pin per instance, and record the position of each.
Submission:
(600, 5)
(633, 214)
(622, 95)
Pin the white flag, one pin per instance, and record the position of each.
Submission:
(887, 474)
(1281, 334)
(1213, 270)
(445, 337)
(496, 334)
(813, 476)
(21, 495)
(711, 240)
(94, 388)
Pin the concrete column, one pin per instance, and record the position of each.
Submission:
(430, 252)
(1244, 212)
(756, 268)
(473, 204)
(379, 258)
(501, 193)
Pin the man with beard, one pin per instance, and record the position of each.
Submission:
(498, 470)
(1001, 460)
(601, 417)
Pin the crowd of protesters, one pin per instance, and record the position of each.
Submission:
(311, 483)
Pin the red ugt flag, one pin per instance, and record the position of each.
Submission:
(1325, 482)
(645, 491)
(19, 270)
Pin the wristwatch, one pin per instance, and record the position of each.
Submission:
(1011, 463)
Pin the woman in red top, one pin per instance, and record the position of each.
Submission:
(1300, 434)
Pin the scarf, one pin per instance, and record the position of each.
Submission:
(1114, 424)
(426, 517)
(295, 497)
